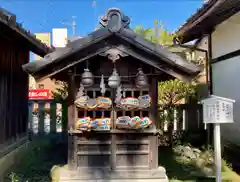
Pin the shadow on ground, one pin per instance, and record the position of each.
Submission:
(43, 153)
(232, 156)
(50, 151)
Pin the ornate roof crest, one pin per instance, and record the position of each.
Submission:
(114, 20)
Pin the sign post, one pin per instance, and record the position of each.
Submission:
(217, 110)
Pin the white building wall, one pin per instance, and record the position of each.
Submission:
(226, 38)
(226, 83)
(226, 74)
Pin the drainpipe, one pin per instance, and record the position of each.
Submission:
(210, 58)
(208, 69)
(210, 128)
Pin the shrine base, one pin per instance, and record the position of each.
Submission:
(105, 175)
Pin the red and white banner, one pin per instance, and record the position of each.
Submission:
(39, 94)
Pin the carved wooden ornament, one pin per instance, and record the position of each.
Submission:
(113, 54)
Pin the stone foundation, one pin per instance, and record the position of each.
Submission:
(12, 158)
(106, 175)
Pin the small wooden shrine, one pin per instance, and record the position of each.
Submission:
(112, 76)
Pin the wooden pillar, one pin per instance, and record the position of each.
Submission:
(53, 118)
(72, 158)
(113, 136)
(154, 96)
(30, 119)
(154, 117)
(41, 112)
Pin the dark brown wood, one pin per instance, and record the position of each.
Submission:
(113, 139)
(71, 98)
(15, 46)
(72, 150)
(152, 60)
(41, 114)
(13, 91)
(113, 54)
(154, 96)
(15, 33)
(153, 149)
(117, 148)
(53, 118)
(127, 149)
(94, 150)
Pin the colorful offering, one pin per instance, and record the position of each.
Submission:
(93, 124)
(81, 102)
(87, 124)
(102, 124)
(129, 103)
(92, 103)
(103, 121)
(123, 122)
(134, 122)
(83, 123)
(144, 101)
(144, 123)
(104, 102)
(103, 128)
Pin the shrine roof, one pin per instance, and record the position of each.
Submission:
(206, 18)
(114, 33)
(14, 30)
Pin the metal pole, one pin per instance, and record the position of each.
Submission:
(217, 152)
(73, 24)
(94, 5)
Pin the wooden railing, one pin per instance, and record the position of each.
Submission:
(174, 122)
(45, 116)
(182, 117)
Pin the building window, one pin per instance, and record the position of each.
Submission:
(41, 86)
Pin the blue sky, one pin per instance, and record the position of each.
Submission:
(43, 15)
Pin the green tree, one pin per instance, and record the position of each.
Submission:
(60, 95)
(172, 91)
(158, 35)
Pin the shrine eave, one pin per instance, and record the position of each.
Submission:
(115, 33)
(16, 33)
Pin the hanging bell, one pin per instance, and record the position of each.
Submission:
(87, 78)
(141, 79)
(114, 79)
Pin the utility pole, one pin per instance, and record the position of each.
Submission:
(94, 5)
(72, 24)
